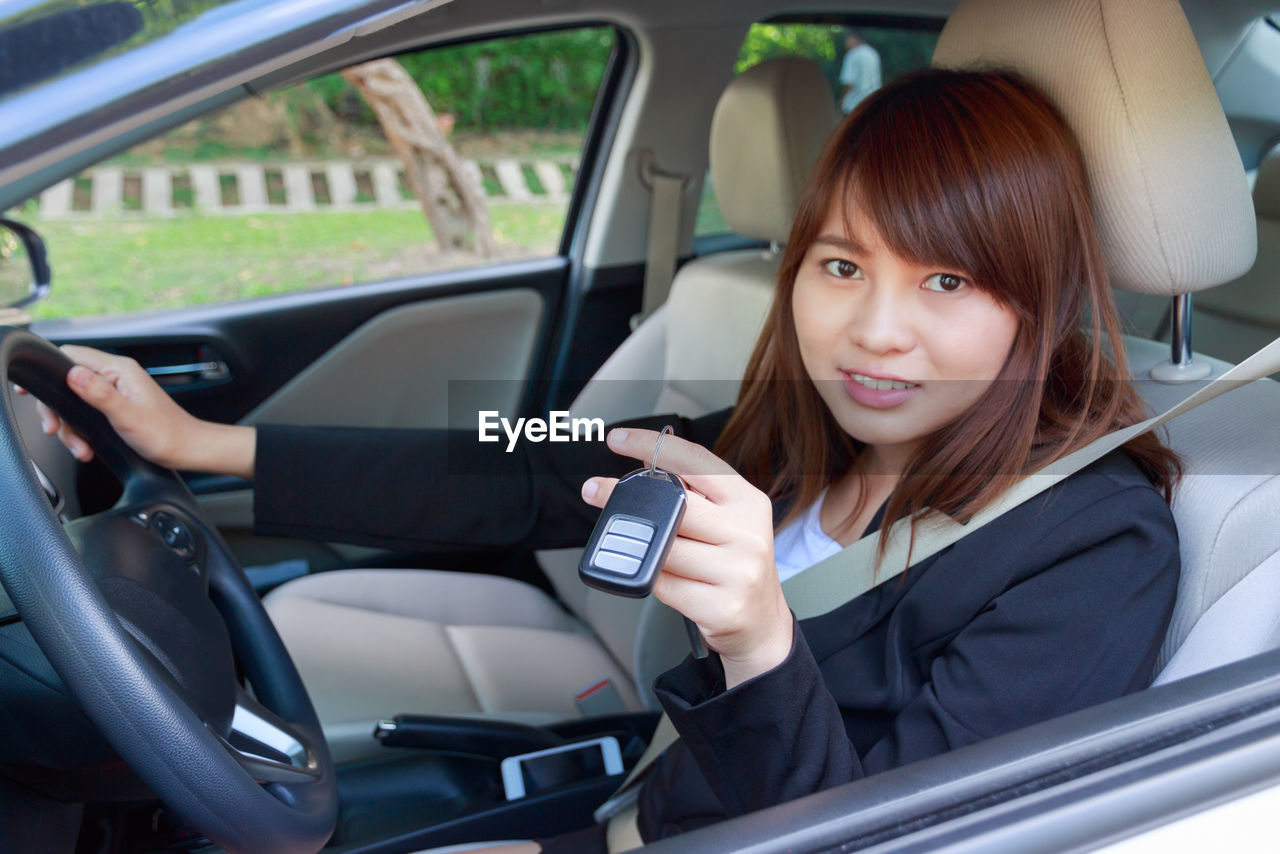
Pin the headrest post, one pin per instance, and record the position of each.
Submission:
(1181, 366)
(1180, 330)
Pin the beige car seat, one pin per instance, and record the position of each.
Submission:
(371, 644)
(1175, 217)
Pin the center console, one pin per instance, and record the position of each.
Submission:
(446, 785)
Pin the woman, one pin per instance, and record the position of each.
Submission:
(942, 326)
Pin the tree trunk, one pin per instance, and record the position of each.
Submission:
(450, 197)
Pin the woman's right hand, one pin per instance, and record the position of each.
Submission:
(140, 412)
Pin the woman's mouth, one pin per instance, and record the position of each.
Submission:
(875, 392)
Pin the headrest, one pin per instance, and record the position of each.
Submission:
(768, 129)
(1169, 189)
(1266, 186)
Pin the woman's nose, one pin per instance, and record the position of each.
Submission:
(881, 321)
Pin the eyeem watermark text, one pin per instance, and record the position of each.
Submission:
(561, 428)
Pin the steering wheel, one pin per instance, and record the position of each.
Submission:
(144, 614)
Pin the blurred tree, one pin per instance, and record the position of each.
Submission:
(450, 197)
(821, 42)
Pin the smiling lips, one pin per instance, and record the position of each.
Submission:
(877, 392)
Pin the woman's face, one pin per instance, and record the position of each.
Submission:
(895, 349)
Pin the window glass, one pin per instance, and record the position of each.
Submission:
(444, 158)
(857, 59)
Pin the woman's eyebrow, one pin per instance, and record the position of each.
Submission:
(848, 244)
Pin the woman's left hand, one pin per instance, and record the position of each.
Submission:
(721, 572)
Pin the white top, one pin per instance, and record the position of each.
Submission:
(860, 71)
(803, 542)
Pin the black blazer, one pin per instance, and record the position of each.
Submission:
(1061, 603)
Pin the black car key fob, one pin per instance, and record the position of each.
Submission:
(633, 537)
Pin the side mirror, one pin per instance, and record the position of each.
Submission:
(24, 266)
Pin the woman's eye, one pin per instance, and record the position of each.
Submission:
(842, 269)
(944, 282)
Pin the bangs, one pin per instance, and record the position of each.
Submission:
(916, 227)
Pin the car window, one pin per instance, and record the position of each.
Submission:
(857, 58)
(444, 158)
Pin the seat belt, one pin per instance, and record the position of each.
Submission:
(850, 572)
(666, 198)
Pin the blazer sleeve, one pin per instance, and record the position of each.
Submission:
(1080, 625)
(419, 489)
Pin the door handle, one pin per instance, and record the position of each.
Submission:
(215, 369)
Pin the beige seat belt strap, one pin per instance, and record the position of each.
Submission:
(665, 202)
(848, 574)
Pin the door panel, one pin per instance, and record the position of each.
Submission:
(395, 370)
(414, 352)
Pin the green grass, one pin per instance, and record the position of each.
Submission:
(532, 181)
(118, 265)
(489, 180)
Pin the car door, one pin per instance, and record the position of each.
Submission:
(271, 263)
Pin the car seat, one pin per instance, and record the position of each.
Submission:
(1175, 217)
(371, 644)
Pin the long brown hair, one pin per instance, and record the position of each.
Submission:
(976, 171)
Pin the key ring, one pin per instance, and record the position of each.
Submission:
(653, 463)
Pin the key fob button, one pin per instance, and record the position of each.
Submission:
(618, 563)
(626, 545)
(631, 528)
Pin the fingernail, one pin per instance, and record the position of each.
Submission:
(589, 489)
(78, 375)
(617, 436)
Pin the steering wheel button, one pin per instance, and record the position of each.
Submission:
(174, 534)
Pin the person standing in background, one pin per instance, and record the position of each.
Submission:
(859, 72)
